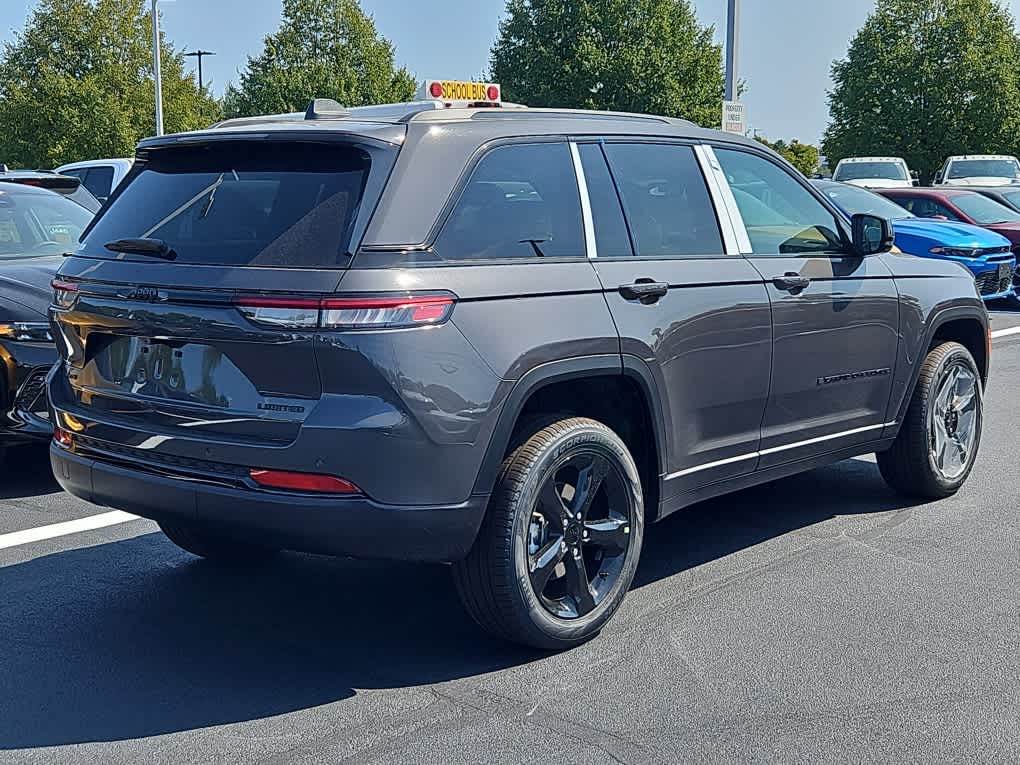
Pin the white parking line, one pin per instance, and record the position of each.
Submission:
(38, 534)
(1004, 332)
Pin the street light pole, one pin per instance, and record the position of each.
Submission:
(732, 46)
(157, 74)
(199, 54)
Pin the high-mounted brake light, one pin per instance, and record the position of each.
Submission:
(311, 482)
(348, 313)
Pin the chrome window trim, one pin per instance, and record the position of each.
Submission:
(729, 201)
(587, 218)
(731, 243)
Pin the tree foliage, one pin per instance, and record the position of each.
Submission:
(323, 49)
(924, 79)
(803, 156)
(647, 56)
(76, 83)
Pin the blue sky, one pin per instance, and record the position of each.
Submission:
(786, 46)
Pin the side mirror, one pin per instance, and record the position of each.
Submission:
(871, 234)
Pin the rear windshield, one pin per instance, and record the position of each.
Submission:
(241, 204)
(863, 171)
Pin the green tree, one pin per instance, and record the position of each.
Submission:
(76, 83)
(323, 49)
(802, 156)
(647, 56)
(924, 79)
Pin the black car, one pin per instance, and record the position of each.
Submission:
(62, 184)
(36, 227)
(498, 337)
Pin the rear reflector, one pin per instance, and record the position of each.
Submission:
(348, 313)
(313, 482)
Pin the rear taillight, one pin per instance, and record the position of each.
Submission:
(311, 482)
(348, 313)
(64, 293)
(63, 437)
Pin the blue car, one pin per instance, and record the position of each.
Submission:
(987, 254)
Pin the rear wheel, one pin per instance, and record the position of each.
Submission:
(213, 546)
(560, 542)
(939, 438)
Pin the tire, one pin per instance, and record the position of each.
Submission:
(496, 582)
(215, 547)
(909, 465)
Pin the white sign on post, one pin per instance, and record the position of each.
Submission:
(733, 117)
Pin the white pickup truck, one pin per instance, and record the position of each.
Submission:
(100, 176)
(979, 170)
(875, 172)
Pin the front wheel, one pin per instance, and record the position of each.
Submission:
(560, 542)
(938, 441)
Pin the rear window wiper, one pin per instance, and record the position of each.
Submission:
(152, 248)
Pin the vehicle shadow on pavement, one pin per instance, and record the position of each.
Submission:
(26, 472)
(134, 638)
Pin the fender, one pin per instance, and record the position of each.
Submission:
(938, 319)
(559, 371)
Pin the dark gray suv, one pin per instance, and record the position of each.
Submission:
(497, 337)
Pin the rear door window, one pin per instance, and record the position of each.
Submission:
(99, 181)
(667, 202)
(521, 202)
(242, 204)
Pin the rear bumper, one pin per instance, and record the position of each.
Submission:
(356, 526)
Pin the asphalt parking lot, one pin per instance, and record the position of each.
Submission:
(816, 619)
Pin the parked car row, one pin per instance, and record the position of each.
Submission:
(990, 170)
(961, 225)
(37, 226)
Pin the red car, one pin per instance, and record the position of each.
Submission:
(959, 205)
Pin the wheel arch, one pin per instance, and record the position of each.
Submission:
(967, 325)
(583, 374)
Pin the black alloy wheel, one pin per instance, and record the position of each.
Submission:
(579, 534)
(560, 542)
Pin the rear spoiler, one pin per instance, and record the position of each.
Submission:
(62, 184)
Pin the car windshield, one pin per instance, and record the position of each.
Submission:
(37, 223)
(861, 171)
(853, 200)
(983, 210)
(983, 168)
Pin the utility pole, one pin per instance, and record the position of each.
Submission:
(157, 74)
(732, 46)
(199, 54)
